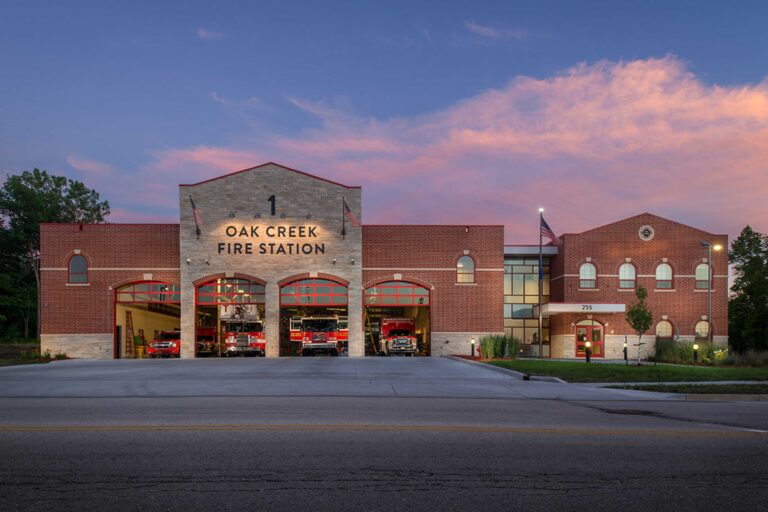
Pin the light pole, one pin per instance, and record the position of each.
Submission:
(710, 248)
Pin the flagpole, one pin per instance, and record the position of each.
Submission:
(541, 272)
(343, 219)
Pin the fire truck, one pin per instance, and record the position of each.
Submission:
(242, 331)
(398, 336)
(165, 344)
(244, 337)
(320, 334)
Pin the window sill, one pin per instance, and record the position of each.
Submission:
(631, 290)
(703, 290)
(664, 290)
(587, 289)
(77, 284)
(465, 284)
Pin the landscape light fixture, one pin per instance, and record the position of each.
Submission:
(695, 354)
(626, 359)
(472, 343)
(588, 351)
(710, 247)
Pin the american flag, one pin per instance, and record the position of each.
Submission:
(196, 214)
(349, 215)
(546, 231)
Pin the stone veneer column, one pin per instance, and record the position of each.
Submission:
(356, 343)
(272, 317)
(187, 319)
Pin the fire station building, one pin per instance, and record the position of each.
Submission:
(275, 258)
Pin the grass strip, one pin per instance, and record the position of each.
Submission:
(702, 389)
(579, 371)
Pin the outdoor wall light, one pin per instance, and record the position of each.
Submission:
(207, 262)
(189, 261)
(352, 261)
(334, 261)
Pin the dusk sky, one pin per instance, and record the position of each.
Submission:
(445, 112)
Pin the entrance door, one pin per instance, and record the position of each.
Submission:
(592, 333)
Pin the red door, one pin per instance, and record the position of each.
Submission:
(593, 334)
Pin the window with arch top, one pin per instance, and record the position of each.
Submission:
(664, 276)
(465, 270)
(664, 329)
(627, 276)
(587, 276)
(702, 330)
(78, 269)
(702, 276)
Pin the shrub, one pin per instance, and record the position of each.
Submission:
(671, 351)
(748, 358)
(497, 346)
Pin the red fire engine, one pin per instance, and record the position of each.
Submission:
(398, 336)
(320, 334)
(244, 337)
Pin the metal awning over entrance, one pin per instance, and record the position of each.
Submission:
(557, 308)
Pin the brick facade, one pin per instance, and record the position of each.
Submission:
(608, 247)
(117, 254)
(427, 255)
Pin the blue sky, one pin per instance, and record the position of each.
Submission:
(408, 99)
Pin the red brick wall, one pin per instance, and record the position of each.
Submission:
(608, 246)
(417, 251)
(130, 249)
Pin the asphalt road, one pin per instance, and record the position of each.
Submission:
(363, 434)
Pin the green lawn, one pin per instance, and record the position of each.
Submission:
(582, 372)
(703, 389)
(16, 361)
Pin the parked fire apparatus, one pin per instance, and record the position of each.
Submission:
(398, 336)
(242, 331)
(320, 334)
(165, 344)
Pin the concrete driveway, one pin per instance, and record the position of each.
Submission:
(317, 376)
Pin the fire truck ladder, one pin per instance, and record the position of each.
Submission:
(370, 331)
(129, 334)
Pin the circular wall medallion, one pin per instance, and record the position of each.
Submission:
(646, 233)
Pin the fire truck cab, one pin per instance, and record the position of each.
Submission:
(320, 334)
(244, 337)
(398, 336)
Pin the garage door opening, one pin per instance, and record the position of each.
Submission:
(147, 320)
(229, 318)
(397, 319)
(313, 318)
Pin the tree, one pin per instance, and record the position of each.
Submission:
(639, 317)
(748, 307)
(27, 200)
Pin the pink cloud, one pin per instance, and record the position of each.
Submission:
(207, 34)
(592, 144)
(89, 167)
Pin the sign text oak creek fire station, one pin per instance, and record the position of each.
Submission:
(274, 240)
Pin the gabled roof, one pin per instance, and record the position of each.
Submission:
(264, 165)
(644, 214)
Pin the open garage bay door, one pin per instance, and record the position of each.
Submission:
(313, 318)
(229, 318)
(397, 319)
(147, 320)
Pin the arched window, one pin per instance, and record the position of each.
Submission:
(465, 270)
(702, 330)
(587, 276)
(78, 269)
(664, 276)
(702, 276)
(664, 329)
(627, 276)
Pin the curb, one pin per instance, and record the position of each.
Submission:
(725, 398)
(512, 373)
